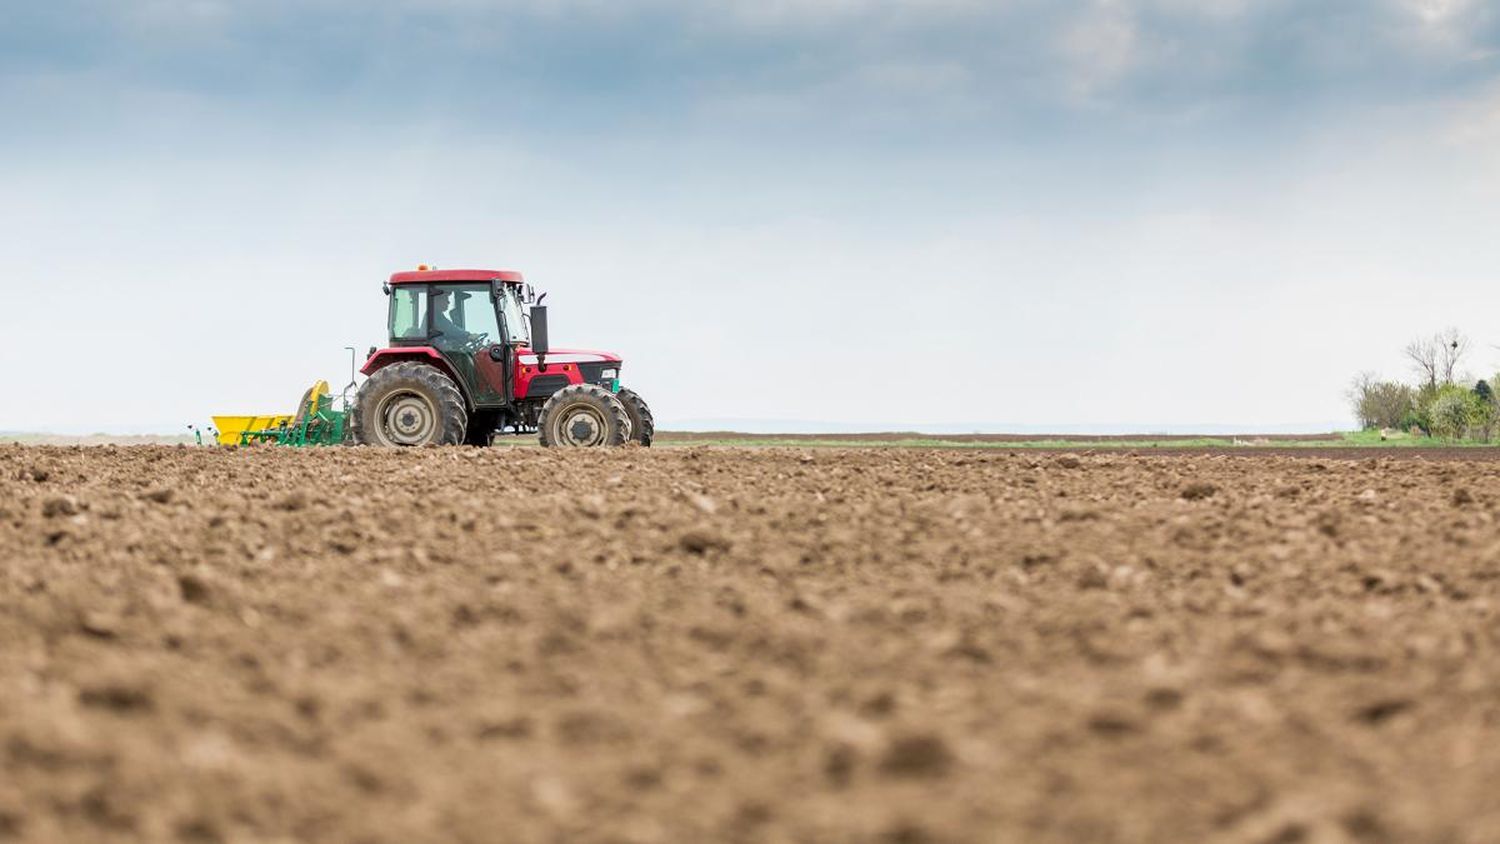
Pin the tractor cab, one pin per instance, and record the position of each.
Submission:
(491, 305)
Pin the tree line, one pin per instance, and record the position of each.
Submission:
(1443, 402)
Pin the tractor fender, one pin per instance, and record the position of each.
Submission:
(421, 354)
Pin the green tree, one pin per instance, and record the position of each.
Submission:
(1452, 411)
(1483, 419)
(1420, 416)
(1486, 410)
(1380, 404)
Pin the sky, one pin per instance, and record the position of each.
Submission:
(950, 214)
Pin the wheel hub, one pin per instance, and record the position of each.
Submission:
(583, 427)
(408, 419)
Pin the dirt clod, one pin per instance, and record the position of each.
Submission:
(101, 623)
(838, 764)
(194, 589)
(704, 541)
(1198, 491)
(917, 756)
(60, 505)
(1383, 710)
(292, 502)
(121, 697)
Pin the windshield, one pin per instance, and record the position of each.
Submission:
(517, 327)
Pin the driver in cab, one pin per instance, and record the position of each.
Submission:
(448, 317)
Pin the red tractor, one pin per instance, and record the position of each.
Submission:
(468, 357)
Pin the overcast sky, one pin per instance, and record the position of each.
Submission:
(1140, 212)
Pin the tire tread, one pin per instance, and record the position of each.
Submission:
(642, 424)
(453, 416)
(592, 393)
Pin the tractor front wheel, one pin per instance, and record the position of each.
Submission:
(642, 426)
(583, 416)
(407, 404)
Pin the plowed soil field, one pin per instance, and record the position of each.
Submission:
(702, 644)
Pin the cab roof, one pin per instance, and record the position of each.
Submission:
(435, 276)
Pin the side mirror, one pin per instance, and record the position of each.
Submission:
(539, 329)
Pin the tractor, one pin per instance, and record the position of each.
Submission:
(468, 357)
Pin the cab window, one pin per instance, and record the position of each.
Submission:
(409, 312)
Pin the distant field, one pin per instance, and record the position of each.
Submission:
(909, 439)
(1006, 439)
(94, 439)
(1361, 439)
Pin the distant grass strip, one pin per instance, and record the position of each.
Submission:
(1356, 439)
(922, 442)
(1374, 439)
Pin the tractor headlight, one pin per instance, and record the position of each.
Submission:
(610, 374)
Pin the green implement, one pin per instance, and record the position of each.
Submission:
(315, 423)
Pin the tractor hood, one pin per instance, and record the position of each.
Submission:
(528, 357)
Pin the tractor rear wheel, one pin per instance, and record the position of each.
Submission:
(642, 426)
(408, 404)
(583, 416)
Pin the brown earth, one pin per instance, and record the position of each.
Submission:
(745, 645)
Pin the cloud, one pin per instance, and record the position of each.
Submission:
(935, 96)
(1142, 54)
(1101, 48)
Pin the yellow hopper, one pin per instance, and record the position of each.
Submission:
(231, 427)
